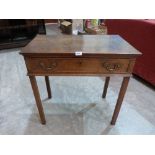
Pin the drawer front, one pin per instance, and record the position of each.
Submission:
(76, 66)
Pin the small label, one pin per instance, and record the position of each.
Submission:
(78, 53)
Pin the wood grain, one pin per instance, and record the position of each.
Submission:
(120, 99)
(101, 55)
(105, 87)
(48, 87)
(37, 98)
(90, 45)
(81, 66)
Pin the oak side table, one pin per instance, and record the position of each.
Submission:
(83, 55)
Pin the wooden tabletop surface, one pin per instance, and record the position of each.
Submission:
(94, 45)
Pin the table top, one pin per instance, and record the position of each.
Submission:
(89, 45)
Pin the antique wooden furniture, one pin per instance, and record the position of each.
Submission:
(90, 55)
(19, 32)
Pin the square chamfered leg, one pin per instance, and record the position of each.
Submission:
(37, 98)
(48, 87)
(105, 87)
(120, 99)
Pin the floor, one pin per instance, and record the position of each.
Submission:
(76, 107)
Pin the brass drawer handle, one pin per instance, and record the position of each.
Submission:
(111, 66)
(50, 67)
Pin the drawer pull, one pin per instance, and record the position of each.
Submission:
(50, 67)
(111, 67)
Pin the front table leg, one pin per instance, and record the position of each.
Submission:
(37, 98)
(120, 99)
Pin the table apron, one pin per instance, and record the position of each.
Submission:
(76, 66)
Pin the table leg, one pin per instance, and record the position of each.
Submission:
(120, 99)
(37, 98)
(48, 86)
(105, 87)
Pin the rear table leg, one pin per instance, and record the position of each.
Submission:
(105, 87)
(48, 86)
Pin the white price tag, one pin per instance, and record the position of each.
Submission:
(78, 53)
